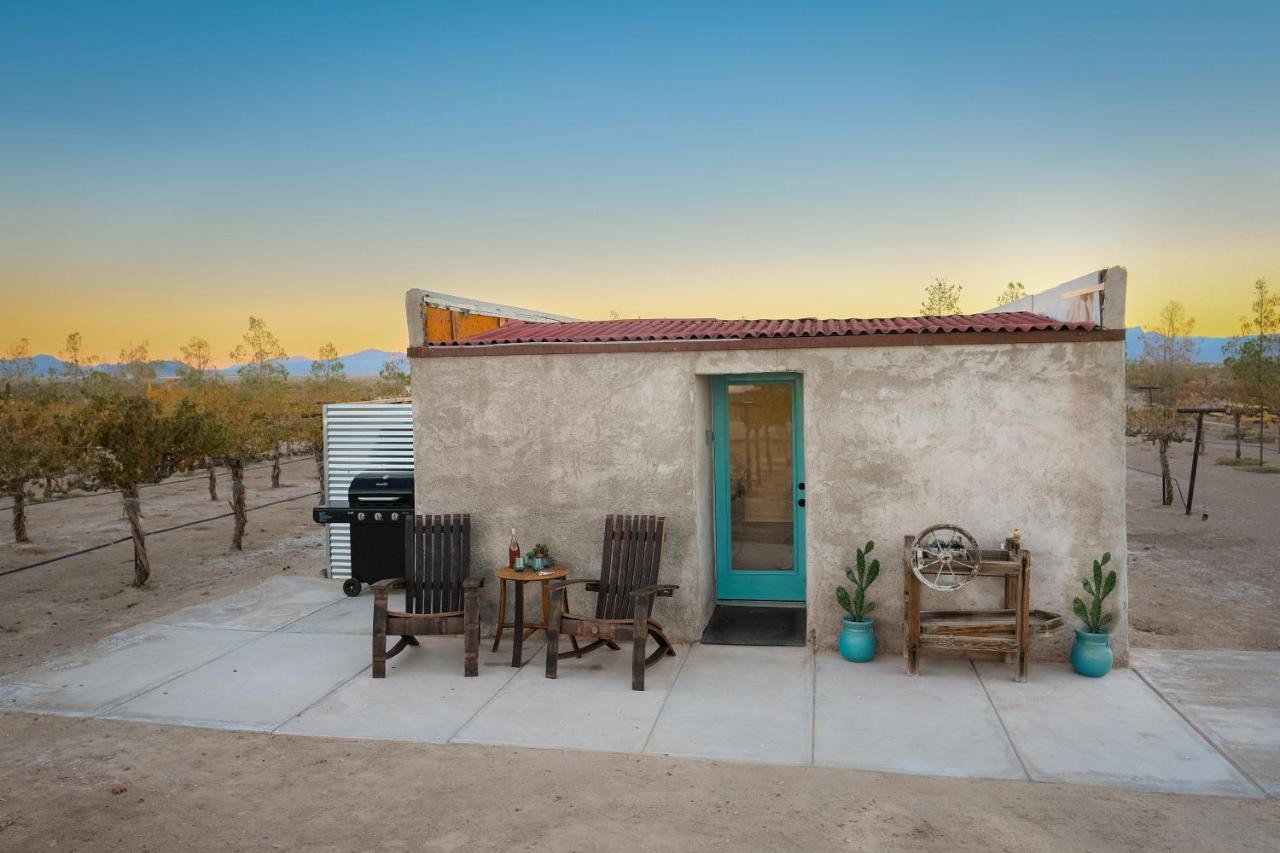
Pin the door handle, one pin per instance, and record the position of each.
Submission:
(800, 502)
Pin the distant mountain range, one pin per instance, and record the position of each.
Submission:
(367, 362)
(1207, 350)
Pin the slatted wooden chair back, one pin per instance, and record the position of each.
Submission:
(632, 557)
(437, 558)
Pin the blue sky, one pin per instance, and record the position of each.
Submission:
(200, 162)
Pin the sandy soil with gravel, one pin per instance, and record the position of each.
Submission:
(1197, 583)
(195, 790)
(1194, 584)
(53, 608)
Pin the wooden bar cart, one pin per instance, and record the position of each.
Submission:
(1007, 629)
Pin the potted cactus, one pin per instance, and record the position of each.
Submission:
(539, 557)
(1091, 654)
(857, 636)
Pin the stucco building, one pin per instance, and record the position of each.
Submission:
(775, 448)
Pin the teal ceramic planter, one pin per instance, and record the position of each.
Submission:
(1091, 655)
(858, 640)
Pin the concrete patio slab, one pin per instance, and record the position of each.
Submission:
(425, 696)
(346, 616)
(1112, 731)
(590, 705)
(1232, 698)
(268, 606)
(257, 687)
(93, 679)
(740, 703)
(874, 716)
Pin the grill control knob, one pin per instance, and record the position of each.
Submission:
(395, 516)
(377, 516)
(359, 516)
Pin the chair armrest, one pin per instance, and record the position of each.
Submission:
(384, 587)
(568, 582)
(663, 589)
(472, 583)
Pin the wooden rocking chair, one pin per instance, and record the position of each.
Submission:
(624, 597)
(439, 597)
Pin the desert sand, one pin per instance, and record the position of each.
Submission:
(109, 785)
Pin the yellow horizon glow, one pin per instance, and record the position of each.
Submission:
(304, 315)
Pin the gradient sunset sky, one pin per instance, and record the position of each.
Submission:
(168, 168)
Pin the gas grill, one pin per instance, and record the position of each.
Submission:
(378, 502)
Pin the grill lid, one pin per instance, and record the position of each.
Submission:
(381, 489)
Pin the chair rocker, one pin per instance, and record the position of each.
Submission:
(439, 597)
(624, 597)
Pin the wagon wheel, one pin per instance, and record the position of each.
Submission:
(945, 557)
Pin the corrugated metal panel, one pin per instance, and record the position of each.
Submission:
(359, 437)
(617, 331)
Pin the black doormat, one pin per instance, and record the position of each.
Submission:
(750, 625)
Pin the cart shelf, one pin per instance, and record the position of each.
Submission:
(1007, 629)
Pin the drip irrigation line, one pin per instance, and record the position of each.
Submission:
(1158, 474)
(30, 504)
(152, 533)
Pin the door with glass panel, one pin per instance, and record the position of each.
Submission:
(759, 486)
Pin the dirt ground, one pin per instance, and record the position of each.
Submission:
(195, 790)
(1194, 584)
(1197, 583)
(50, 609)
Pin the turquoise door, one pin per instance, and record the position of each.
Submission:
(759, 488)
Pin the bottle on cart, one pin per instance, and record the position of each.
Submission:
(513, 550)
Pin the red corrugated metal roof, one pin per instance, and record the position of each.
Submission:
(705, 329)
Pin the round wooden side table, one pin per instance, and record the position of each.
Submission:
(522, 629)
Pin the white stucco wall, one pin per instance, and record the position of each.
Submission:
(991, 437)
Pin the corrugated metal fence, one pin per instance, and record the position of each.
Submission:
(359, 437)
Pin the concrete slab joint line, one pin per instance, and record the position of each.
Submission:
(679, 669)
(724, 703)
(1021, 762)
(1208, 736)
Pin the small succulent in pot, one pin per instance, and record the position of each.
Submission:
(857, 637)
(1091, 655)
(539, 557)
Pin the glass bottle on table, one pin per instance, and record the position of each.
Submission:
(513, 550)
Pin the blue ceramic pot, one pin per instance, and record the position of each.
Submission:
(1091, 655)
(858, 640)
(537, 563)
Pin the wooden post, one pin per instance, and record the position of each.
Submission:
(1023, 630)
(517, 641)
(502, 613)
(911, 585)
(470, 628)
(380, 634)
(553, 637)
(638, 641)
(1195, 458)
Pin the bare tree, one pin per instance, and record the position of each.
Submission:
(1013, 291)
(195, 371)
(196, 362)
(941, 299)
(76, 362)
(136, 366)
(393, 379)
(1254, 356)
(1167, 351)
(1161, 425)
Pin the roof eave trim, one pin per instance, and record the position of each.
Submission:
(975, 338)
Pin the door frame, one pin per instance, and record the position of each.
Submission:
(758, 585)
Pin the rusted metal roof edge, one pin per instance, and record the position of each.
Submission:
(984, 338)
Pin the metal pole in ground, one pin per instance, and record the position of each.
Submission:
(1195, 459)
